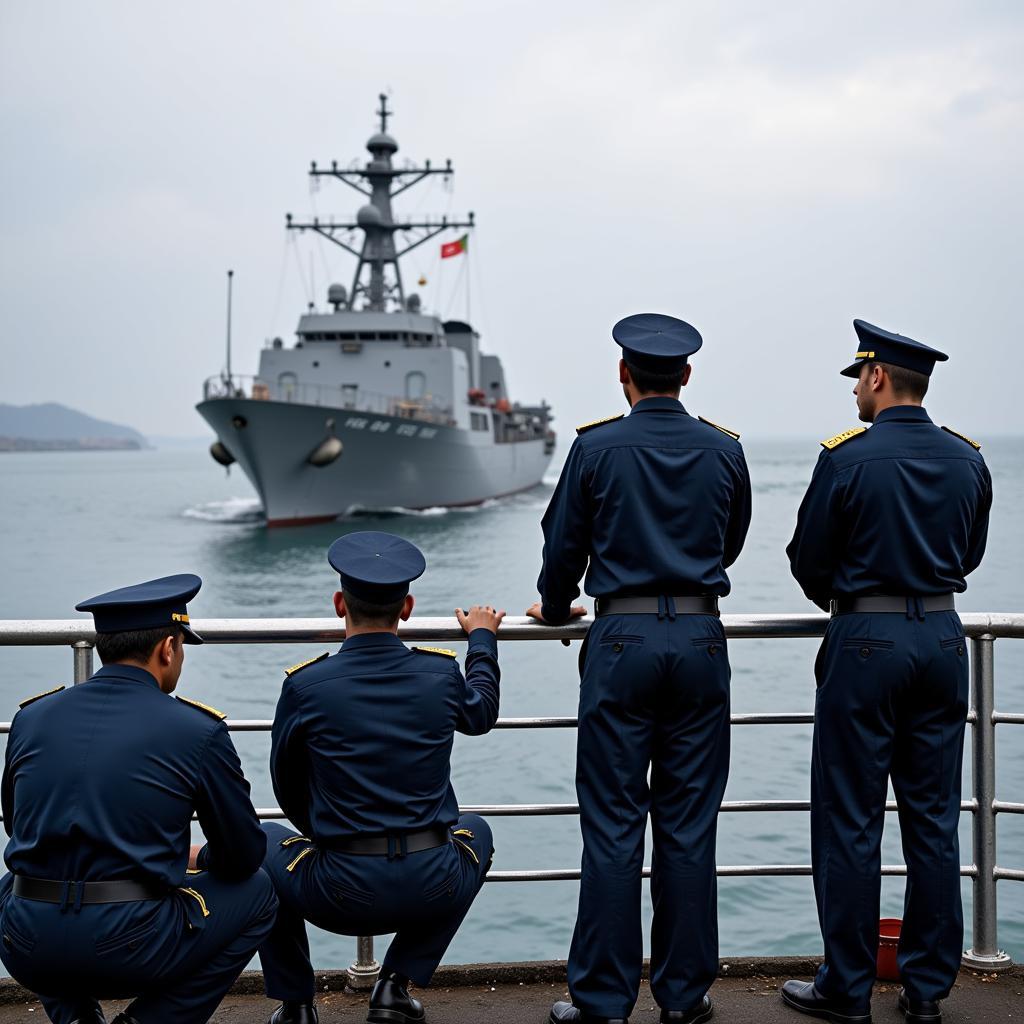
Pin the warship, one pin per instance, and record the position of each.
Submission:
(377, 404)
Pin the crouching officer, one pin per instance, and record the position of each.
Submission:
(360, 761)
(658, 504)
(893, 520)
(99, 787)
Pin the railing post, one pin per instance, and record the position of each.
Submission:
(363, 973)
(83, 660)
(984, 954)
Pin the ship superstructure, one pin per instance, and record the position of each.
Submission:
(377, 403)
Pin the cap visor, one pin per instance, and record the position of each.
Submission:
(853, 370)
(189, 635)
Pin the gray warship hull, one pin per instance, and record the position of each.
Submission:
(386, 462)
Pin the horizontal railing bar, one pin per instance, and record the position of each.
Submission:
(723, 870)
(1009, 875)
(1007, 807)
(1007, 718)
(41, 632)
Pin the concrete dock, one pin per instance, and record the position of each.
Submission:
(746, 992)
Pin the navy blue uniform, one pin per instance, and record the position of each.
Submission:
(655, 504)
(361, 746)
(901, 510)
(100, 783)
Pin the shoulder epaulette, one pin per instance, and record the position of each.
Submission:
(436, 650)
(724, 430)
(205, 708)
(963, 437)
(596, 423)
(835, 442)
(39, 696)
(302, 664)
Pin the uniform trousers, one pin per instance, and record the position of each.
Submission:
(177, 956)
(891, 702)
(654, 696)
(422, 897)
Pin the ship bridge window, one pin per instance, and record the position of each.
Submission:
(415, 385)
(479, 421)
(287, 384)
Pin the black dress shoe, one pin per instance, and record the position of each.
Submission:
(390, 1002)
(295, 1013)
(566, 1013)
(918, 1011)
(803, 996)
(704, 1010)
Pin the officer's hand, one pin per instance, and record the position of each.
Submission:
(479, 617)
(534, 612)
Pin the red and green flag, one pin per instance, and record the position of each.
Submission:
(460, 245)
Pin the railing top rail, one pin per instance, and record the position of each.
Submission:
(42, 632)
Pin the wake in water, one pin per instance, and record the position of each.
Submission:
(230, 510)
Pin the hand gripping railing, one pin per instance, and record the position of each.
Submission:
(982, 630)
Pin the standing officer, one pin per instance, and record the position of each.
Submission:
(893, 520)
(99, 787)
(360, 761)
(658, 503)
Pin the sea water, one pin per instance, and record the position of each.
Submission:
(75, 524)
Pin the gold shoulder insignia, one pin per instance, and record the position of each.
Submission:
(724, 430)
(309, 661)
(596, 423)
(39, 696)
(436, 650)
(835, 442)
(963, 437)
(212, 712)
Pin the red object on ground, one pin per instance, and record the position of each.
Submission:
(888, 941)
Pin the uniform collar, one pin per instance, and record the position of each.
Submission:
(903, 414)
(658, 404)
(364, 640)
(131, 672)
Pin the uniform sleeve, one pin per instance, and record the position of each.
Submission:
(739, 514)
(7, 783)
(566, 526)
(812, 550)
(979, 528)
(478, 710)
(289, 760)
(235, 843)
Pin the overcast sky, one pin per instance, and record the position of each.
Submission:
(767, 171)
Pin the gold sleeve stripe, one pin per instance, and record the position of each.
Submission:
(835, 442)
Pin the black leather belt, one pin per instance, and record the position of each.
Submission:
(46, 890)
(701, 604)
(902, 605)
(389, 846)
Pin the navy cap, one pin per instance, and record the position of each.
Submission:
(881, 346)
(147, 605)
(376, 567)
(656, 342)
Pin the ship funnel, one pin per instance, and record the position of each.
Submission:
(220, 454)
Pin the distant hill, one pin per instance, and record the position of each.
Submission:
(52, 427)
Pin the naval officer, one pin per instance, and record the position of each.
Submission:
(360, 760)
(99, 786)
(893, 520)
(654, 506)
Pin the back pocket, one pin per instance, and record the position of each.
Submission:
(132, 936)
(345, 893)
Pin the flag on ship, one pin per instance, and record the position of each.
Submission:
(460, 245)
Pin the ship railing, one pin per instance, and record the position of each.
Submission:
(345, 398)
(981, 629)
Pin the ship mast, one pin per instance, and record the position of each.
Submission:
(378, 279)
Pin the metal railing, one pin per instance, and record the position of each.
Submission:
(982, 630)
(338, 397)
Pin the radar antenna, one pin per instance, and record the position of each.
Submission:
(379, 181)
